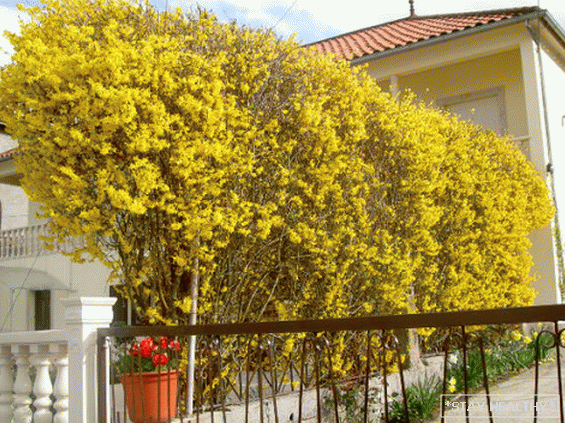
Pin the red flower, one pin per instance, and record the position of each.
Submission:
(174, 345)
(134, 349)
(159, 360)
(163, 342)
(147, 347)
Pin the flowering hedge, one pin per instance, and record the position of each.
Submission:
(180, 147)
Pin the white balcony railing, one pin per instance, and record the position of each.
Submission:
(27, 242)
(69, 352)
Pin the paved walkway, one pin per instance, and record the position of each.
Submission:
(513, 399)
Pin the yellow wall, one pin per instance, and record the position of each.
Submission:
(472, 76)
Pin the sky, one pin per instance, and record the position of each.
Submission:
(310, 20)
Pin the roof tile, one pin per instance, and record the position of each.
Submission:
(413, 29)
(8, 153)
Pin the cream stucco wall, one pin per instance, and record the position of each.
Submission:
(19, 277)
(33, 209)
(12, 198)
(554, 79)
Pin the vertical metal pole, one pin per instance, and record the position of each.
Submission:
(192, 338)
(367, 375)
(485, 379)
(536, 379)
(444, 384)
(558, 359)
(464, 336)
(383, 363)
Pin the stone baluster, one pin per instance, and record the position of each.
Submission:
(9, 242)
(32, 240)
(3, 243)
(5, 384)
(22, 385)
(21, 243)
(61, 388)
(42, 387)
(27, 241)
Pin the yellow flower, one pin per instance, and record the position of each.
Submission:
(527, 340)
(515, 335)
(452, 383)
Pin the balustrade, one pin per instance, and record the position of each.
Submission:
(64, 353)
(5, 383)
(27, 242)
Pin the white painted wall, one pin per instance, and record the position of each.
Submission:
(19, 277)
(13, 199)
(14, 207)
(554, 78)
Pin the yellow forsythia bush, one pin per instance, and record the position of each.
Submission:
(285, 184)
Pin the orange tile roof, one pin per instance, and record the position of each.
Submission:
(411, 30)
(6, 155)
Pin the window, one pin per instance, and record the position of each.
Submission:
(485, 108)
(42, 309)
(123, 312)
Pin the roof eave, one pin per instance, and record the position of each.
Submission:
(554, 27)
(458, 34)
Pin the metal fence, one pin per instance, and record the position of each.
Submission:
(334, 370)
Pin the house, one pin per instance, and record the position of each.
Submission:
(503, 69)
(33, 280)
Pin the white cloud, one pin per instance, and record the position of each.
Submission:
(10, 23)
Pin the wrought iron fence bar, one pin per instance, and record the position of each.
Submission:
(485, 379)
(558, 344)
(102, 394)
(382, 325)
(544, 313)
(465, 370)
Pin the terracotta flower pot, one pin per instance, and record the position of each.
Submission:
(151, 397)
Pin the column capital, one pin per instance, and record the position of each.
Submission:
(88, 310)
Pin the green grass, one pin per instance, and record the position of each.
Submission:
(422, 399)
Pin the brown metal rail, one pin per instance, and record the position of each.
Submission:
(314, 345)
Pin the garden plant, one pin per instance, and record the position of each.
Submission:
(504, 356)
(227, 175)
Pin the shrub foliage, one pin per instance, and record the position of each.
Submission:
(286, 181)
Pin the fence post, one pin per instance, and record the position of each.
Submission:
(83, 316)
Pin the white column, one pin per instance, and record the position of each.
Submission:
(5, 384)
(61, 388)
(42, 387)
(543, 249)
(22, 385)
(83, 316)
